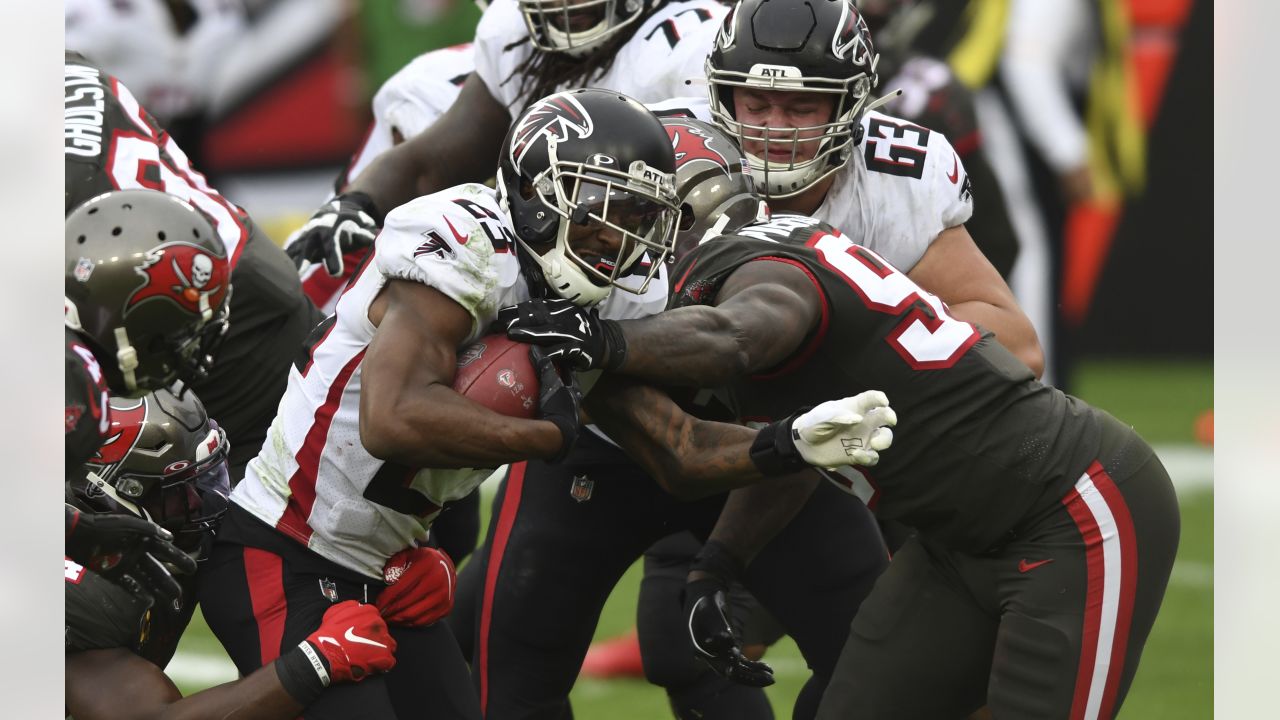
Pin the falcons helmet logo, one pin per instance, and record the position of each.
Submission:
(553, 117)
(126, 427)
(691, 144)
(183, 273)
(853, 38)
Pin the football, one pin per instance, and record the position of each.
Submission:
(496, 373)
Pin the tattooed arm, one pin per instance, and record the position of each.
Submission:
(688, 457)
(761, 315)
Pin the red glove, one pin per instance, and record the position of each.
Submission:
(354, 642)
(420, 583)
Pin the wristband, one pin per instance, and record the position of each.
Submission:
(615, 345)
(774, 452)
(303, 673)
(716, 560)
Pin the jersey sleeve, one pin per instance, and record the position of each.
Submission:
(672, 45)
(87, 410)
(412, 99)
(439, 241)
(917, 188)
(501, 25)
(948, 183)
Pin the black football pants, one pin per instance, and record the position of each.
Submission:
(562, 535)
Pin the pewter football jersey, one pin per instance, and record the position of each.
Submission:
(314, 481)
(903, 185)
(662, 60)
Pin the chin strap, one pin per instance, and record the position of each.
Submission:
(126, 358)
(882, 101)
(110, 492)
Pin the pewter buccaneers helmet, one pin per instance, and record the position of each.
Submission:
(717, 193)
(582, 157)
(820, 46)
(576, 27)
(165, 460)
(150, 284)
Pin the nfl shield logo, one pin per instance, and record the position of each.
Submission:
(581, 488)
(83, 269)
(329, 589)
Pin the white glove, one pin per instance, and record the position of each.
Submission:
(849, 431)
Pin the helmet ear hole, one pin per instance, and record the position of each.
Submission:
(687, 218)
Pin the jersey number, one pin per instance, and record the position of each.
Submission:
(668, 26)
(134, 162)
(927, 338)
(896, 148)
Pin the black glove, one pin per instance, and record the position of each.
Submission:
(710, 630)
(558, 401)
(569, 333)
(347, 222)
(128, 551)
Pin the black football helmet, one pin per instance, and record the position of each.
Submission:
(150, 283)
(577, 27)
(589, 156)
(820, 46)
(717, 193)
(164, 460)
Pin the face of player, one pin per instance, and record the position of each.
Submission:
(601, 239)
(782, 112)
(573, 15)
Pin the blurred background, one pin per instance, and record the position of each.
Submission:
(1094, 115)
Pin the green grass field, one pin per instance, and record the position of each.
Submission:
(1175, 680)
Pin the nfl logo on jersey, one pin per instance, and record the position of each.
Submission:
(581, 488)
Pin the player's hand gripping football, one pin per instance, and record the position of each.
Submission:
(129, 551)
(711, 630)
(848, 431)
(570, 334)
(558, 400)
(345, 223)
(420, 586)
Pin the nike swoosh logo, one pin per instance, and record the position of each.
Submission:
(1024, 566)
(362, 640)
(462, 240)
(954, 175)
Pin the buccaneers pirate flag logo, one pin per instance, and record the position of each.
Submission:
(691, 144)
(183, 273)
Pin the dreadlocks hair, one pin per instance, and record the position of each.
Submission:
(545, 72)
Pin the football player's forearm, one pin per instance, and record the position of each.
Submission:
(438, 428)
(689, 458)
(1011, 327)
(693, 346)
(260, 696)
(753, 515)
(390, 180)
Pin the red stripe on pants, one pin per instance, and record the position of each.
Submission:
(1128, 582)
(266, 594)
(502, 533)
(1092, 537)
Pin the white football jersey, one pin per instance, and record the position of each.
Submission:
(313, 480)
(903, 185)
(663, 59)
(412, 99)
